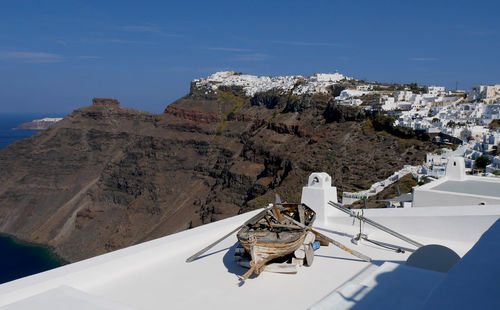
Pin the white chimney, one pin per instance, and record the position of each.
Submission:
(455, 169)
(317, 193)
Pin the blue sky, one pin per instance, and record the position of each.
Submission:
(56, 55)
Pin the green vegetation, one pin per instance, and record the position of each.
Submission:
(482, 162)
(286, 195)
(231, 95)
(382, 126)
(424, 180)
(453, 124)
(289, 195)
(234, 94)
(452, 147)
(417, 89)
(268, 121)
(388, 87)
(496, 172)
(369, 99)
(414, 87)
(367, 126)
(261, 127)
(402, 186)
(262, 201)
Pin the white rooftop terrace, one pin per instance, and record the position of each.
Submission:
(457, 188)
(154, 275)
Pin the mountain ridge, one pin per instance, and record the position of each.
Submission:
(106, 177)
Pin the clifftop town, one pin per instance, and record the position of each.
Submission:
(251, 84)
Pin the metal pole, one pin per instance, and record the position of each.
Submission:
(375, 224)
(335, 243)
(251, 221)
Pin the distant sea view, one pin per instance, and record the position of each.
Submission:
(19, 259)
(9, 121)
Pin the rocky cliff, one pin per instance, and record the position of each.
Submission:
(106, 177)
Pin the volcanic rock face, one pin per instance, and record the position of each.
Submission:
(106, 177)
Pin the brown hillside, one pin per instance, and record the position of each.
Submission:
(107, 177)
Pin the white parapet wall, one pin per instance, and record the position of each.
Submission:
(455, 169)
(457, 188)
(351, 197)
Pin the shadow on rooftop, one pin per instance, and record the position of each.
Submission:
(231, 265)
(378, 244)
(212, 253)
(390, 247)
(401, 288)
(374, 262)
(338, 233)
(339, 258)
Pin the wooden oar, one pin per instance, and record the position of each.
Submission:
(335, 243)
(251, 221)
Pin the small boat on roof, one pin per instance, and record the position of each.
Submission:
(275, 234)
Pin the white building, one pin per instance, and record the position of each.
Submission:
(494, 166)
(252, 84)
(351, 101)
(484, 92)
(403, 95)
(457, 188)
(364, 87)
(350, 93)
(488, 113)
(436, 90)
(489, 142)
(329, 77)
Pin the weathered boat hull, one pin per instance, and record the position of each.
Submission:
(265, 242)
(263, 252)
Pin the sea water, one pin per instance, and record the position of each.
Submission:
(10, 121)
(19, 259)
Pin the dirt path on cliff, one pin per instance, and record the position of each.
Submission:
(62, 213)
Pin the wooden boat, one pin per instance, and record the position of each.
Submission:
(274, 235)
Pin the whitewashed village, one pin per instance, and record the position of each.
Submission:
(472, 117)
(465, 123)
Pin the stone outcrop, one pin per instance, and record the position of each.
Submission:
(342, 113)
(109, 102)
(106, 177)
